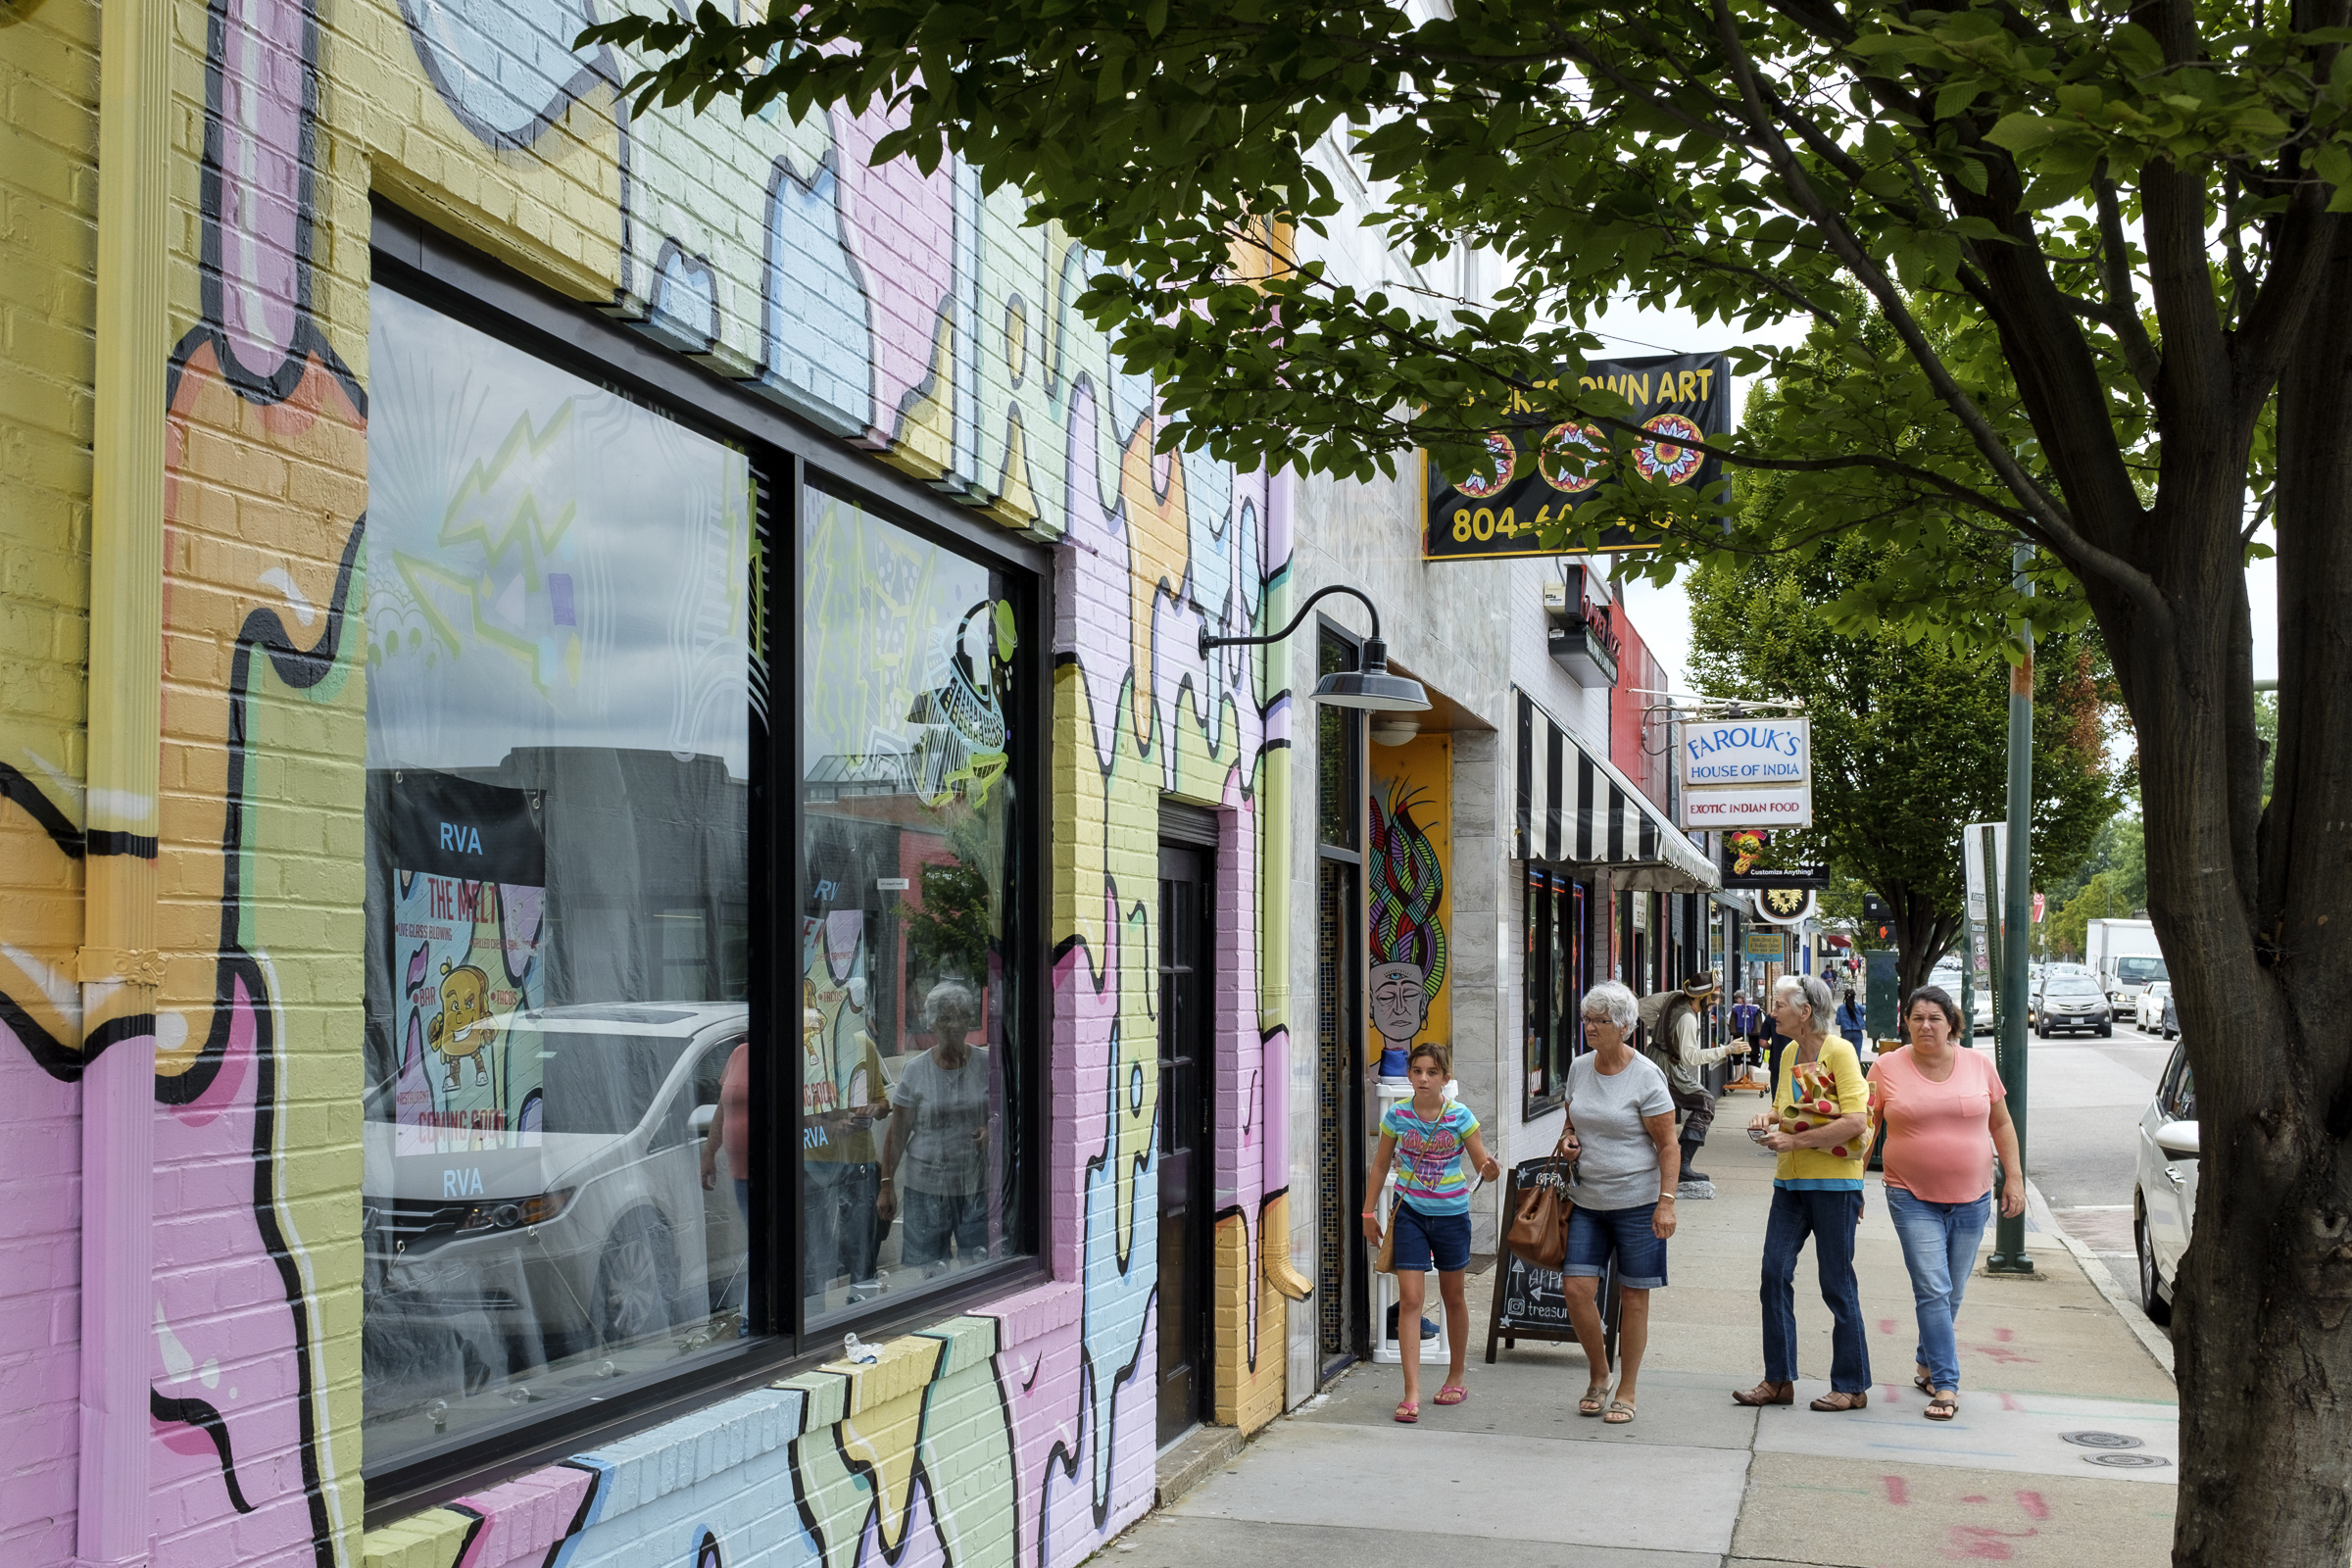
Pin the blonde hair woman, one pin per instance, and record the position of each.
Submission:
(1817, 1126)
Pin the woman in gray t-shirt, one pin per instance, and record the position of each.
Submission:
(1621, 1131)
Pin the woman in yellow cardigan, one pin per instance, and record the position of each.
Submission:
(1817, 1125)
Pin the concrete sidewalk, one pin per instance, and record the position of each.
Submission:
(1514, 1477)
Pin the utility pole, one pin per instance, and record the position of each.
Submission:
(2017, 909)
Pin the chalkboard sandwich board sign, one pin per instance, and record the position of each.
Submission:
(1530, 1303)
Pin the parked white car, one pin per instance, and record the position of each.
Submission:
(2163, 1202)
(2147, 1009)
(582, 1243)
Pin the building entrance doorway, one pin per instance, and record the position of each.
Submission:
(1187, 1046)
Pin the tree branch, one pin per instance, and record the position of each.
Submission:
(2047, 521)
(2123, 300)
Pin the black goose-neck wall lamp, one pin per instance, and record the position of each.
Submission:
(1371, 688)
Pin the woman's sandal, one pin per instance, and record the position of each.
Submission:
(1943, 1406)
(1918, 1381)
(1619, 1414)
(1767, 1393)
(1840, 1401)
(1409, 1413)
(1590, 1404)
(1452, 1393)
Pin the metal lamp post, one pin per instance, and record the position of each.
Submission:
(2009, 1235)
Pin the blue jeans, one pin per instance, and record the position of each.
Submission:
(1939, 1249)
(1830, 1216)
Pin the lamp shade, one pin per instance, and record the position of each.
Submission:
(1373, 688)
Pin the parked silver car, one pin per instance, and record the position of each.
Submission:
(572, 1245)
(2164, 1201)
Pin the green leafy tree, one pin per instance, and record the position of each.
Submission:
(2102, 897)
(2107, 242)
(1910, 736)
(2121, 852)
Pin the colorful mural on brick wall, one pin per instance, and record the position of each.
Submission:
(906, 313)
(1412, 851)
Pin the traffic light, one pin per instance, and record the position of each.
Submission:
(1880, 914)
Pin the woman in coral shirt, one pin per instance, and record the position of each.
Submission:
(1943, 1114)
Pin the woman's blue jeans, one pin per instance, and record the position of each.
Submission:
(1830, 1216)
(1939, 1248)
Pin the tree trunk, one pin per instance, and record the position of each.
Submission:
(2249, 905)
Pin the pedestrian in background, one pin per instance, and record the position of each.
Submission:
(1944, 1115)
(1621, 1136)
(1676, 1048)
(1855, 1026)
(1819, 1127)
(1747, 1022)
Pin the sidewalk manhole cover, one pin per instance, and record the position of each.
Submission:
(2127, 1461)
(2099, 1439)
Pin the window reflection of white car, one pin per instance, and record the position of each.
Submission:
(2147, 1009)
(595, 1236)
(2163, 1202)
(1980, 1011)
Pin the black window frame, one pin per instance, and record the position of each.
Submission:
(788, 456)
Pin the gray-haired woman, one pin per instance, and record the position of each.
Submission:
(1621, 1134)
(1817, 1125)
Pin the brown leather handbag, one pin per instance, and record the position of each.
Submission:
(1539, 1229)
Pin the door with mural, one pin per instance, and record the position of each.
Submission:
(1186, 1044)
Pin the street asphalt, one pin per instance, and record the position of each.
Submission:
(1515, 1477)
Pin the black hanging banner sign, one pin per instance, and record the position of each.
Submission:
(1537, 474)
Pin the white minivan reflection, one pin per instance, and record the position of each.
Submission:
(507, 1277)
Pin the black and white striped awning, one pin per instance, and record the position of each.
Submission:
(1575, 809)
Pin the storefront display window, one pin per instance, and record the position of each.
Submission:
(561, 629)
(909, 992)
(1556, 979)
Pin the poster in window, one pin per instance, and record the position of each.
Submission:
(467, 868)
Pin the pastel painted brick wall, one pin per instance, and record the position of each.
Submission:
(48, 243)
(904, 313)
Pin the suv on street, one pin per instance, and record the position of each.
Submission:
(2071, 1004)
(2164, 1197)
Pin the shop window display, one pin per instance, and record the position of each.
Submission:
(910, 1085)
(560, 625)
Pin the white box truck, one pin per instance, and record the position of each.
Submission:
(2124, 954)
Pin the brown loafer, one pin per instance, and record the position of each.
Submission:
(1767, 1393)
(1836, 1402)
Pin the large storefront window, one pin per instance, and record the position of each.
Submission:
(909, 992)
(561, 627)
(1556, 979)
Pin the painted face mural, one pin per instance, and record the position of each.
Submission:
(1407, 929)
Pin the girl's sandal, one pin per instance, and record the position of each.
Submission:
(1619, 1414)
(1452, 1393)
(1590, 1404)
(1943, 1406)
(1409, 1413)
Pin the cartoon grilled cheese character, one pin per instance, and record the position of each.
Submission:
(462, 1029)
